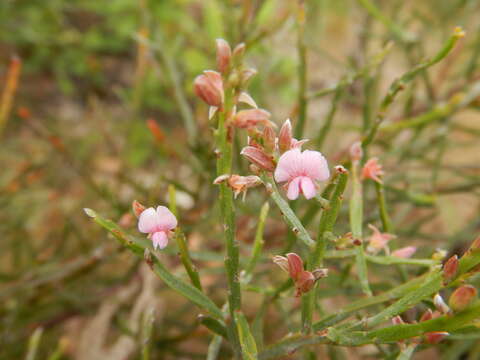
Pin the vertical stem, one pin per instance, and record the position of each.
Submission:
(302, 71)
(382, 205)
(327, 221)
(356, 222)
(258, 243)
(224, 166)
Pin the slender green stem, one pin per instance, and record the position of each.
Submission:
(33, 344)
(356, 223)
(327, 221)
(147, 329)
(302, 71)
(258, 243)
(382, 206)
(329, 119)
(186, 260)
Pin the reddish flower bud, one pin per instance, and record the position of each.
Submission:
(209, 87)
(224, 53)
(285, 136)
(268, 139)
(137, 208)
(427, 315)
(397, 320)
(250, 118)
(156, 130)
(462, 297)
(435, 337)
(258, 157)
(295, 265)
(450, 268)
(304, 282)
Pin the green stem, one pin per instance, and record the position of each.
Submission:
(186, 260)
(327, 221)
(382, 205)
(302, 71)
(258, 243)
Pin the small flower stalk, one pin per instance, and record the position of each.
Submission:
(303, 280)
(158, 224)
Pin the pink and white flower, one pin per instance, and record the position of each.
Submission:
(378, 240)
(300, 171)
(157, 224)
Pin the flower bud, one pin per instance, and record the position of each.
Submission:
(372, 170)
(356, 151)
(250, 118)
(462, 297)
(224, 54)
(241, 184)
(209, 87)
(435, 337)
(259, 158)
(268, 139)
(285, 136)
(450, 268)
(405, 252)
(427, 315)
(137, 208)
(397, 320)
(440, 304)
(238, 53)
(246, 75)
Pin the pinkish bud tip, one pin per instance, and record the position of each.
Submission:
(300, 171)
(405, 252)
(397, 320)
(224, 54)
(285, 136)
(246, 119)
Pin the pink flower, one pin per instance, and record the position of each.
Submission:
(378, 240)
(300, 170)
(157, 224)
(405, 252)
(372, 170)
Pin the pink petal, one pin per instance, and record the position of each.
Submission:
(293, 189)
(314, 165)
(405, 252)
(148, 221)
(160, 240)
(308, 187)
(167, 221)
(289, 166)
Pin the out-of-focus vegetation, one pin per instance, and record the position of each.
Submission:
(104, 113)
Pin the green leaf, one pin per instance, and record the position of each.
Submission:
(247, 342)
(142, 247)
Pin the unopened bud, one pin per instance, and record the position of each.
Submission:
(137, 208)
(435, 337)
(285, 136)
(259, 158)
(462, 297)
(241, 184)
(440, 304)
(238, 53)
(250, 118)
(427, 315)
(397, 320)
(268, 139)
(356, 151)
(209, 87)
(450, 268)
(246, 75)
(224, 54)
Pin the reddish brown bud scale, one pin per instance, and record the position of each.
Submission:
(295, 265)
(259, 158)
(435, 337)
